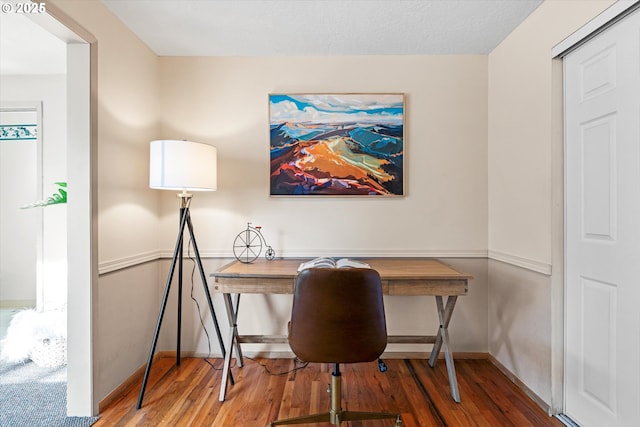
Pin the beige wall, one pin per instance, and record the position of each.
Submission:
(519, 324)
(126, 318)
(128, 113)
(522, 180)
(223, 101)
(520, 99)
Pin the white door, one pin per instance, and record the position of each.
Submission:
(20, 184)
(602, 166)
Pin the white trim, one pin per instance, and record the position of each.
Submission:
(81, 232)
(529, 264)
(351, 253)
(598, 24)
(129, 261)
(557, 238)
(132, 260)
(40, 283)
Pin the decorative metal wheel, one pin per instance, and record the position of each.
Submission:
(269, 253)
(247, 246)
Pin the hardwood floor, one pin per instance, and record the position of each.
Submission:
(188, 395)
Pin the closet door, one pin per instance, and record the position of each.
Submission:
(602, 223)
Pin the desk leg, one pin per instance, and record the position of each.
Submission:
(442, 340)
(232, 315)
(235, 331)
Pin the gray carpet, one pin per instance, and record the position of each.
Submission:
(32, 396)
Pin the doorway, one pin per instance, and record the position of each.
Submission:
(21, 238)
(81, 235)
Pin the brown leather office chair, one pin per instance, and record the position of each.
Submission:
(338, 317)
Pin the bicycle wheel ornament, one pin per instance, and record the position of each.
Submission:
(269, 253)
(247, 246)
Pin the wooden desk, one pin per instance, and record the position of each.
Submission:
(400, 276)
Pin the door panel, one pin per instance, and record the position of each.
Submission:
(598, 178)
(602, 225)
(598, 336)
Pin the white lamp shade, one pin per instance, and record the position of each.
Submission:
(182, 165)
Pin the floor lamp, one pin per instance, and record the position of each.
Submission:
(183, 166)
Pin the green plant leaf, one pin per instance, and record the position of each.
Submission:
(55, 199)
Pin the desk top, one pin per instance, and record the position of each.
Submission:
(400, 276)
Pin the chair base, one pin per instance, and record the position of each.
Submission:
(339, 417)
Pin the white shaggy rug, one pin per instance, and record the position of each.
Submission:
(28, 329)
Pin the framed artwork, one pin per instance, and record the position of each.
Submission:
(336, 144)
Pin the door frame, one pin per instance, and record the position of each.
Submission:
(600, 23)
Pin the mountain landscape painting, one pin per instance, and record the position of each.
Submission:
(337, 144)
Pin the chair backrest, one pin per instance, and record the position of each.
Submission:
(338, 316)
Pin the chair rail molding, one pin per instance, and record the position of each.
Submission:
(110, 266)
(113, 265)
(352, 253)
(526, 263)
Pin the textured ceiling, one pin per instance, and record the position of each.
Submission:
(283, 27)
(321, 27)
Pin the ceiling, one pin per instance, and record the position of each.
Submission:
(282, 28)
(26, 48)
(321, 27)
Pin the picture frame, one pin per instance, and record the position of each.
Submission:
(337, 144)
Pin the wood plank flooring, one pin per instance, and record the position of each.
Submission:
(188, 395)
